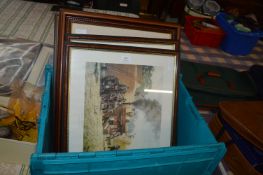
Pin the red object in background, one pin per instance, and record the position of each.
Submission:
(201, 35)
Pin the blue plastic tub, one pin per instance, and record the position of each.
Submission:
(197, 153)
(236, 42)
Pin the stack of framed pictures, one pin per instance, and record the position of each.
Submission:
(115, 82)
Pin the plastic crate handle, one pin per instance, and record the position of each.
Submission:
(212, 74)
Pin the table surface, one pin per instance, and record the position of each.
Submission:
(215, 56)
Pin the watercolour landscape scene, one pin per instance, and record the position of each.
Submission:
(119, 114)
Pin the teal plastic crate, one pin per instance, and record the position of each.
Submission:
(197, 153)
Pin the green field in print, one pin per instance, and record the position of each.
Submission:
(119, 114)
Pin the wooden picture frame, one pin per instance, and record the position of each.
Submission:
(123, 41)
(101, 22)
(67, 17)
(117, 59)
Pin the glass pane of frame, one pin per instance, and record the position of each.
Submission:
(119, 100)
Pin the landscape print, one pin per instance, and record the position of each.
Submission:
(119, 114)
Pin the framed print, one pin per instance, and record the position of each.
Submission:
(100, 25)
(123, 41)
(77, 22)
(118, 99)
(91, 29)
